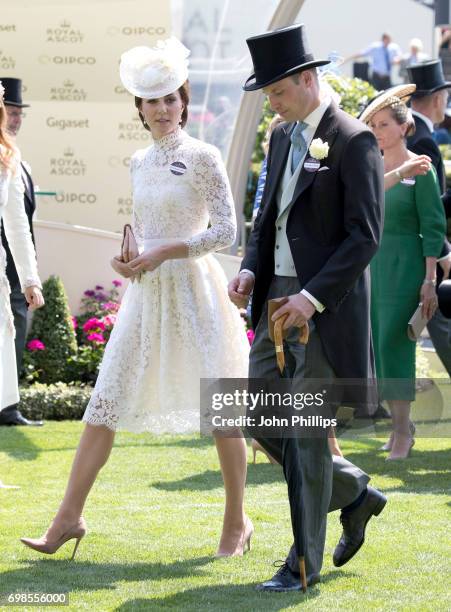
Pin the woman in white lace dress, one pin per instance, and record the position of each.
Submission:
(15, 222)
(176, 324)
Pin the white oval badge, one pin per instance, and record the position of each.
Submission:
(409, 181)
(312, 165)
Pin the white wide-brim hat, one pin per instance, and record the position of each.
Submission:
(154, 72)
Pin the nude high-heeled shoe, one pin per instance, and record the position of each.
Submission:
(48, 547)
(244, 542)
(389, 444)
(256, 446)
(402, 445)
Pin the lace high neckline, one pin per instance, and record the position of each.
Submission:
(169, 141)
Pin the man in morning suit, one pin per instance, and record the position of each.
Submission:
(14, 105)
(317, 229)
(428, 108)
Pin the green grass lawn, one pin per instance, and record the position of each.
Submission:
(154, 520)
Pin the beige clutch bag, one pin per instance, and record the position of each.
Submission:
(416, 324)
(129, 248)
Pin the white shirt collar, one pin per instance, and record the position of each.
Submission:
(313, 120)
(427, 121)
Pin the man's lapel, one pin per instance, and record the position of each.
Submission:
(327, 130)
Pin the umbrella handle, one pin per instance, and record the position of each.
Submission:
(278, 339)
(303, 574)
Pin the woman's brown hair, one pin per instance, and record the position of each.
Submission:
(184, 95)
(402, 114)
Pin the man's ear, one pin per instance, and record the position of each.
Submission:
(306, 78)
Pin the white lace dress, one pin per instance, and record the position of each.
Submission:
(17, 230)
(177, 324)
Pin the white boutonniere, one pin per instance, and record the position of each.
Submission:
(319, 149)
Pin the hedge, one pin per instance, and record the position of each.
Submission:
(57, 402)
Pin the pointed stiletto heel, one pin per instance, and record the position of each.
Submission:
(256, 446)
(75, 548)
(244, 542)
(48, 547)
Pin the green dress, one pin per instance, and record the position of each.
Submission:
(414, 228)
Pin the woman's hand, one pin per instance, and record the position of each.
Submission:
(122, 268)
(428, 298)
(415, 166)
(147, 261)
(34, 297)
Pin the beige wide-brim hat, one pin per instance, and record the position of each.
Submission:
(387, 98)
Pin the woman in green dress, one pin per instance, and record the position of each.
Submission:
(403, 271)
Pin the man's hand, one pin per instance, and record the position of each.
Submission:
(299, 309)
(240, 289)
(34, 297)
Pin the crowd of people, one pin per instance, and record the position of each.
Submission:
(382, 56)
(319, 242)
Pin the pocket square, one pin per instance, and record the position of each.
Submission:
(323, 168)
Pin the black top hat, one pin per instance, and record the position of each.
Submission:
(428, 77)
(278, 54)
(444, 298)
(13, 92)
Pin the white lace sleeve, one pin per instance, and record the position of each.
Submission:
(212, 184)
(137, 224)
(18, 232)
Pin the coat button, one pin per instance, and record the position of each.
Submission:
(279, 228)
(277, 246)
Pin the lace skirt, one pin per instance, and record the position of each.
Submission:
(174, 327)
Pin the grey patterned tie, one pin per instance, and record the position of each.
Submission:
(299, 144)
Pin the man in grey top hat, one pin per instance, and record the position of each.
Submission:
(429, 103)
(317, 229)
(14, 111)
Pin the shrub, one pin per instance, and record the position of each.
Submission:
(354, 93)
(52, 341)
(54, 402)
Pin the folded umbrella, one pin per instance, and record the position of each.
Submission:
(291, 460)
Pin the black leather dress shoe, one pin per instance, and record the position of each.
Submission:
(285, 580)
(14, 417)
(354, 524)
